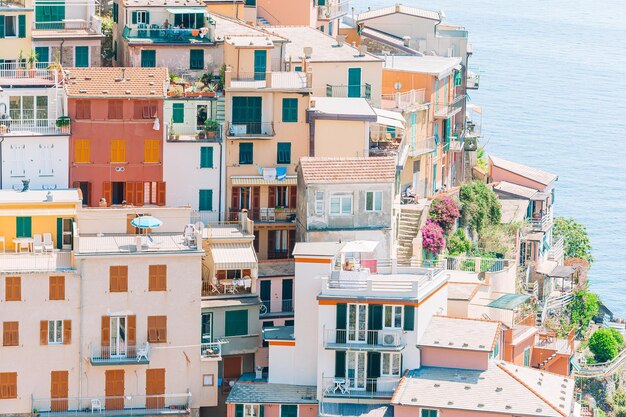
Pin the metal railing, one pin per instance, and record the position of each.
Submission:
(541, 221)
(332, 9)
(403, 101)
(62, 24)
(182, 132)
(249, 129)
(357, 91)
(386, 338)
(139, 353)
(156, 34)
(477, 264)
(53, 261)
(422, 146)
(274, 215)
(557, 250)
(227, 287)
(127, 405)
(382, 387)
(221, 224)
(34, 127)
(266, 308)
(211, 350)
(12, 71)
(446, 111)
(277, 254)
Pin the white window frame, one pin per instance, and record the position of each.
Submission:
(143, 14)
(53, 328)
(393, 312)
(341, 198)
(15, 26)
(374, 195)
(391, 356)
(251, 410)
(319, 203)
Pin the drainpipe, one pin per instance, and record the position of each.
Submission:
(80, 331)
(222, 199)
(1, 167)
(311, 120)
(61, 52)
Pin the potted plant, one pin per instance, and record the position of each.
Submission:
(32, 62)
(211, 88)
(171, 133)
(63, 123)
(211, 127)
(173, 78)
(21, 65)
(35, 412)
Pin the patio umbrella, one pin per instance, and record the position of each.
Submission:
(146, 222)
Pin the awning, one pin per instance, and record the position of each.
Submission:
(509, 301)
(360, 246)
(187, 10)
(540, 196)
(389, 118)
(233, 256)
(547, 267)
(562, 271)
(259, 180)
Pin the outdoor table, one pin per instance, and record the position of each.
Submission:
(19, 240)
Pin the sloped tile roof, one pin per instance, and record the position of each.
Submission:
(398, 8)
(351, 170)
(264, 393)
(515, 189)
(534, 174)
(129, 82)
(460, 333)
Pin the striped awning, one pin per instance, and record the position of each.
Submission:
(233, 256)
(259, 180)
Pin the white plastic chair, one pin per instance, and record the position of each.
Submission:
(96, 404)
(23, 245)
(263, 214)
(271, 215)
(37, 243)
(142, 352)
(48, 246)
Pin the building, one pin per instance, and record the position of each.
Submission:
(322, 15)
(347, 199)
(116, 146)
(15, 31)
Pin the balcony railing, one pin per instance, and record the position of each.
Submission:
(227, 286)
(556, 251)
(211, 351)
(357, 91)
(446, 111)
(382, 387)
(249, 129)
(13, 73)
(477, 264)
(286, 307)
(404, 101)
(388, 339)
(184, 133)
(216, 224)
(127, 405)
(332, 9)
(31, 127)
(54, 261)
(117, 355)
(422, 146)
(541, 221)
(156, 34)
(273, 215)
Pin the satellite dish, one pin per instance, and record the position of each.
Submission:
(397, 85)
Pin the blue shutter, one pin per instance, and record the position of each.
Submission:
(21, 26)
(134, 17)
(354, 82)
(1, 26)
(238, 410)
(260, 64)
(148, 58)
(81, 56)
(206, 157)
(196, 59)
(236, 323)
(206, 200)
(178, 112)
(409, 317)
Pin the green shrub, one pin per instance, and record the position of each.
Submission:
(479, 206)
(458, 243)
(620, 412)
(603, 345)
(619, 399)
(619, 339)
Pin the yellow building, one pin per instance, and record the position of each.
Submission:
(16, 20)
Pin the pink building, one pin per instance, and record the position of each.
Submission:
(323, 15)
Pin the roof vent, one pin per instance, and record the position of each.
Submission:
(105, 92)
(82, 91)
(538, 410)
(152, 92)
(413, 400)
(123, 74)
(406, 40)
(465, 345)
(450, 402)
(436, 342)
(481, 346)
(508, 407)
(362, 50)
(87, 78)
(341, 39)
(498, 389)
(467, 388)
(127, 92)
(308, 51)
(437, 385)
(481, 405)
(450, 343)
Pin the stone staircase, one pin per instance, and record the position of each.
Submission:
(411, 220)
(220, 110)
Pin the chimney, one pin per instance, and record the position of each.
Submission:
(123, 74)
(362, 50)
(49, 197)
(341, 39)
(307, 52)
(312, 104)
(406, 40)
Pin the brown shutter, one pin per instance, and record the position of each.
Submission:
(234, 199)
(59, 390)
(160, 193)
(139, 194)
(129, 193)
(113, 279)
(105, 333)
(163, 329)
(123, 278)
(13, 288)
(131, 323)
(292, 242)
(152, 331)
(155, 386)
(89, 194)
(43, 332)
(67, 332)
(271, 199)
(152, 278)
(256, 198)
(106, 192)
(293, 196)
(271, 242)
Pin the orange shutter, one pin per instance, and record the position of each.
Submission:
(293, 196)
(162, 329)
(106, 192)
(43, 332)
(113, 279)
(59, 390)
(123, 278)
(13, 288)
(105, 333)
(152, 331)
(139, 193)
(130, 193)
(131, 323)
(155, 386)
(67, 332)
(57, 288)
(160, 193)
(8, 385)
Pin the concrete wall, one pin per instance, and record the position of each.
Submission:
(116, 220)
(174, 57)
(65, 50)
(341, 138)
(454, 358)
(11, 46)
(336, 73)
(287, 12)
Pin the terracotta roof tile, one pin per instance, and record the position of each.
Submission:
(132, 82)
(356, 170)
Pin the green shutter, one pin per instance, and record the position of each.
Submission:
(283, 153)
(147, 18)
(236, 323)
(206, 157)
(340, 364)
(238, 410)
(178, 112)
(115, 12)
(260, 64)
(261, 410)
(23, 226)
(206, 200)
(1, 26)
(148, 58)
(290, 110)
(196, 59)
(373, 364)
(288, 410)
(43, 55)
(81, 56)
(245, 153)
(341, 322)
(21, 26)
(59, 233)
(374, 322)
(354, 82)
(409, 318)
(134, 18)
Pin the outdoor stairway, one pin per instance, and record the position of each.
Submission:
(220, 110)
(408, 227)
(261, 21)
(543, 364)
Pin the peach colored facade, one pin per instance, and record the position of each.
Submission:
(288, 12)
(453, 358)
(515, 352)
(498, 174)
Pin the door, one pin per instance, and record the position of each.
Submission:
(114, 389)
(43, 53)
(201, 116)
(207, 327)
(247, 111)
(266, 287)
(117, 345)
(66, 233)
(260, 64)
(58, 390)
(155, 388)
(232, 366)
(354, 82)
(355, 369)
(287, 295)
(357, 321)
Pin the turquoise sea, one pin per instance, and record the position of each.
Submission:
(553, 94)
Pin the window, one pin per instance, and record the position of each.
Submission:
(118, 278)
(495, 354)
(392, 317)
(373, 201)
(298, 68)
(83, 109)
(341, 205)
(81, 56)
(290, 110)
(8, 385)
(196, 59)
(28, 107)
(283, 153)
(23, 227)
(55, 332)
(189, 20)
(206, 157)
(116, 109)
(245, 154)
(45, 163)
(140, 16)
(151, 151)
(390, 364)
(527, 356)
(115, 12)
(82, 151)
(57, 288)
(118, 150)
(157, 278)
(13, 289)
(429, 413)
(205, 200)
(236, 323)
(279, 197)
(290, 410)
(319, 203)
(10, 333)
(248, 410)
(145, 109)
(148, 58)
(250, 3)
(178, 113)
(207, 380)
(157, 329)
(10, 26)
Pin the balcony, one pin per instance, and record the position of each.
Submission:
(409, 100)
(422, 146)
(246, 130)
(385, 142)
(227, 225)
(447, 111)
(541, 221)
(18, 74)
(236, 345)
(30, 262)
(236, 287)
(25, 127)
(273, 215)
(120, 355)
(355, 91)
(188, 133)
(556, 251)
(286, 309)
(68, 27)
(155, 34)
(473, 79)
(382, 387)
(278, 80)
(332, 9)
(211, 351)
(9, 4)
(364, 340)
(128, 405)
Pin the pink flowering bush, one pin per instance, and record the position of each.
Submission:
(444, 211)
(432, 237)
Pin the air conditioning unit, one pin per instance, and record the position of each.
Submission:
(390, 339)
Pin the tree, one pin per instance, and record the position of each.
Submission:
(576, 242)
(618, 338)
(432, 237)
(444, 211)
(458, 243)
(583, 308)
(479, 206)
(603, 345)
